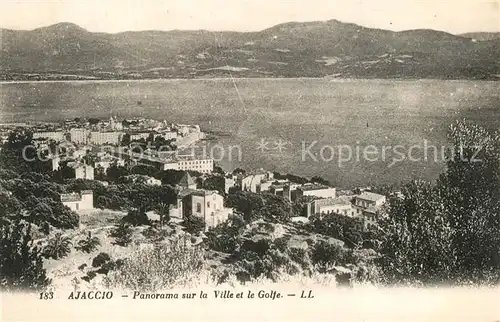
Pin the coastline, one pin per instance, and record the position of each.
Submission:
(335, 79)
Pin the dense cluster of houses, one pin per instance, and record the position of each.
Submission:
(209, 204)
(112, 131)
(92, 146)
(323, 199)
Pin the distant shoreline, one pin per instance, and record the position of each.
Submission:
(333, 79)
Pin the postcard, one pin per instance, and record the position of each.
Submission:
(211, 160)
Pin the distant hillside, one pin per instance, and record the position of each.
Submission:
(311, 49)
(482, 36)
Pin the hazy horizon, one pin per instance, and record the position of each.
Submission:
(112, 16)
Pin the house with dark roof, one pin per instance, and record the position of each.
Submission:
(187, 182)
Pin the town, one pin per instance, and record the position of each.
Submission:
(96, 145)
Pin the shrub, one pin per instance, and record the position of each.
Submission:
(122, 234)
(225, 237)
(259, 247)
(21, 263)
(158, 268)
(324, 253)
(57, 247)
(88, 244)
(194, 224)
(100, 259)
(136, 218)
(89, 276)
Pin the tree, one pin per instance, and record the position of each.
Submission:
(19, 152)
(89, 244)
(218, 170)
(64, 172)
(324, 253)
(470, 190)
(125, 139)
(94, 121)
(238, 171)
(320, 180)
(21, 263)
(194, 224)
(58, 247)
(100, 259)
(99, 173)
(264, 205)
(450, 232)
(122, 234)
(215, 183)
(116, 172)
(136, 218)
(225, 237)
(163, 210)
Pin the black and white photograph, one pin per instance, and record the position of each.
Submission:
(331, 160)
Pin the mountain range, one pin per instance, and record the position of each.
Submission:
(295, 49)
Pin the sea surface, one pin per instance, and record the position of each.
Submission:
(351, 132)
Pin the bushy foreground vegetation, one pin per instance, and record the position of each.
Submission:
(158, 268)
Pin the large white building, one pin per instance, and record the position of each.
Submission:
(203, 165)
(100, 138)
(339, 205)
(79, 135)
(316, 191)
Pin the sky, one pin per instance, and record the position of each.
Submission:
(454, 16)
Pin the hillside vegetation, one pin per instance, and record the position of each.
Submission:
(308, 49)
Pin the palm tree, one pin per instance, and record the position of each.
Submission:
(57, 247)
(88, 244)
(163, 210)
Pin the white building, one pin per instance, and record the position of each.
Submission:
(82, 171)
(316, 191)
(254, 180)
(101, 138)
(370, 199)
(205, 204)
(139, 136)
(52, 135)
(78, 135)
(188, 164)
(339, 205)
(107, 161)
(169, 135)
(78, 201)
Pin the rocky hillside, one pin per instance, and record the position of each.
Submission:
(311, 49)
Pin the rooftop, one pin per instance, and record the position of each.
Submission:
(186, 180)
(314, 187)
(197, 192)
(66, 197)
(370, 196)
(333, 201)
